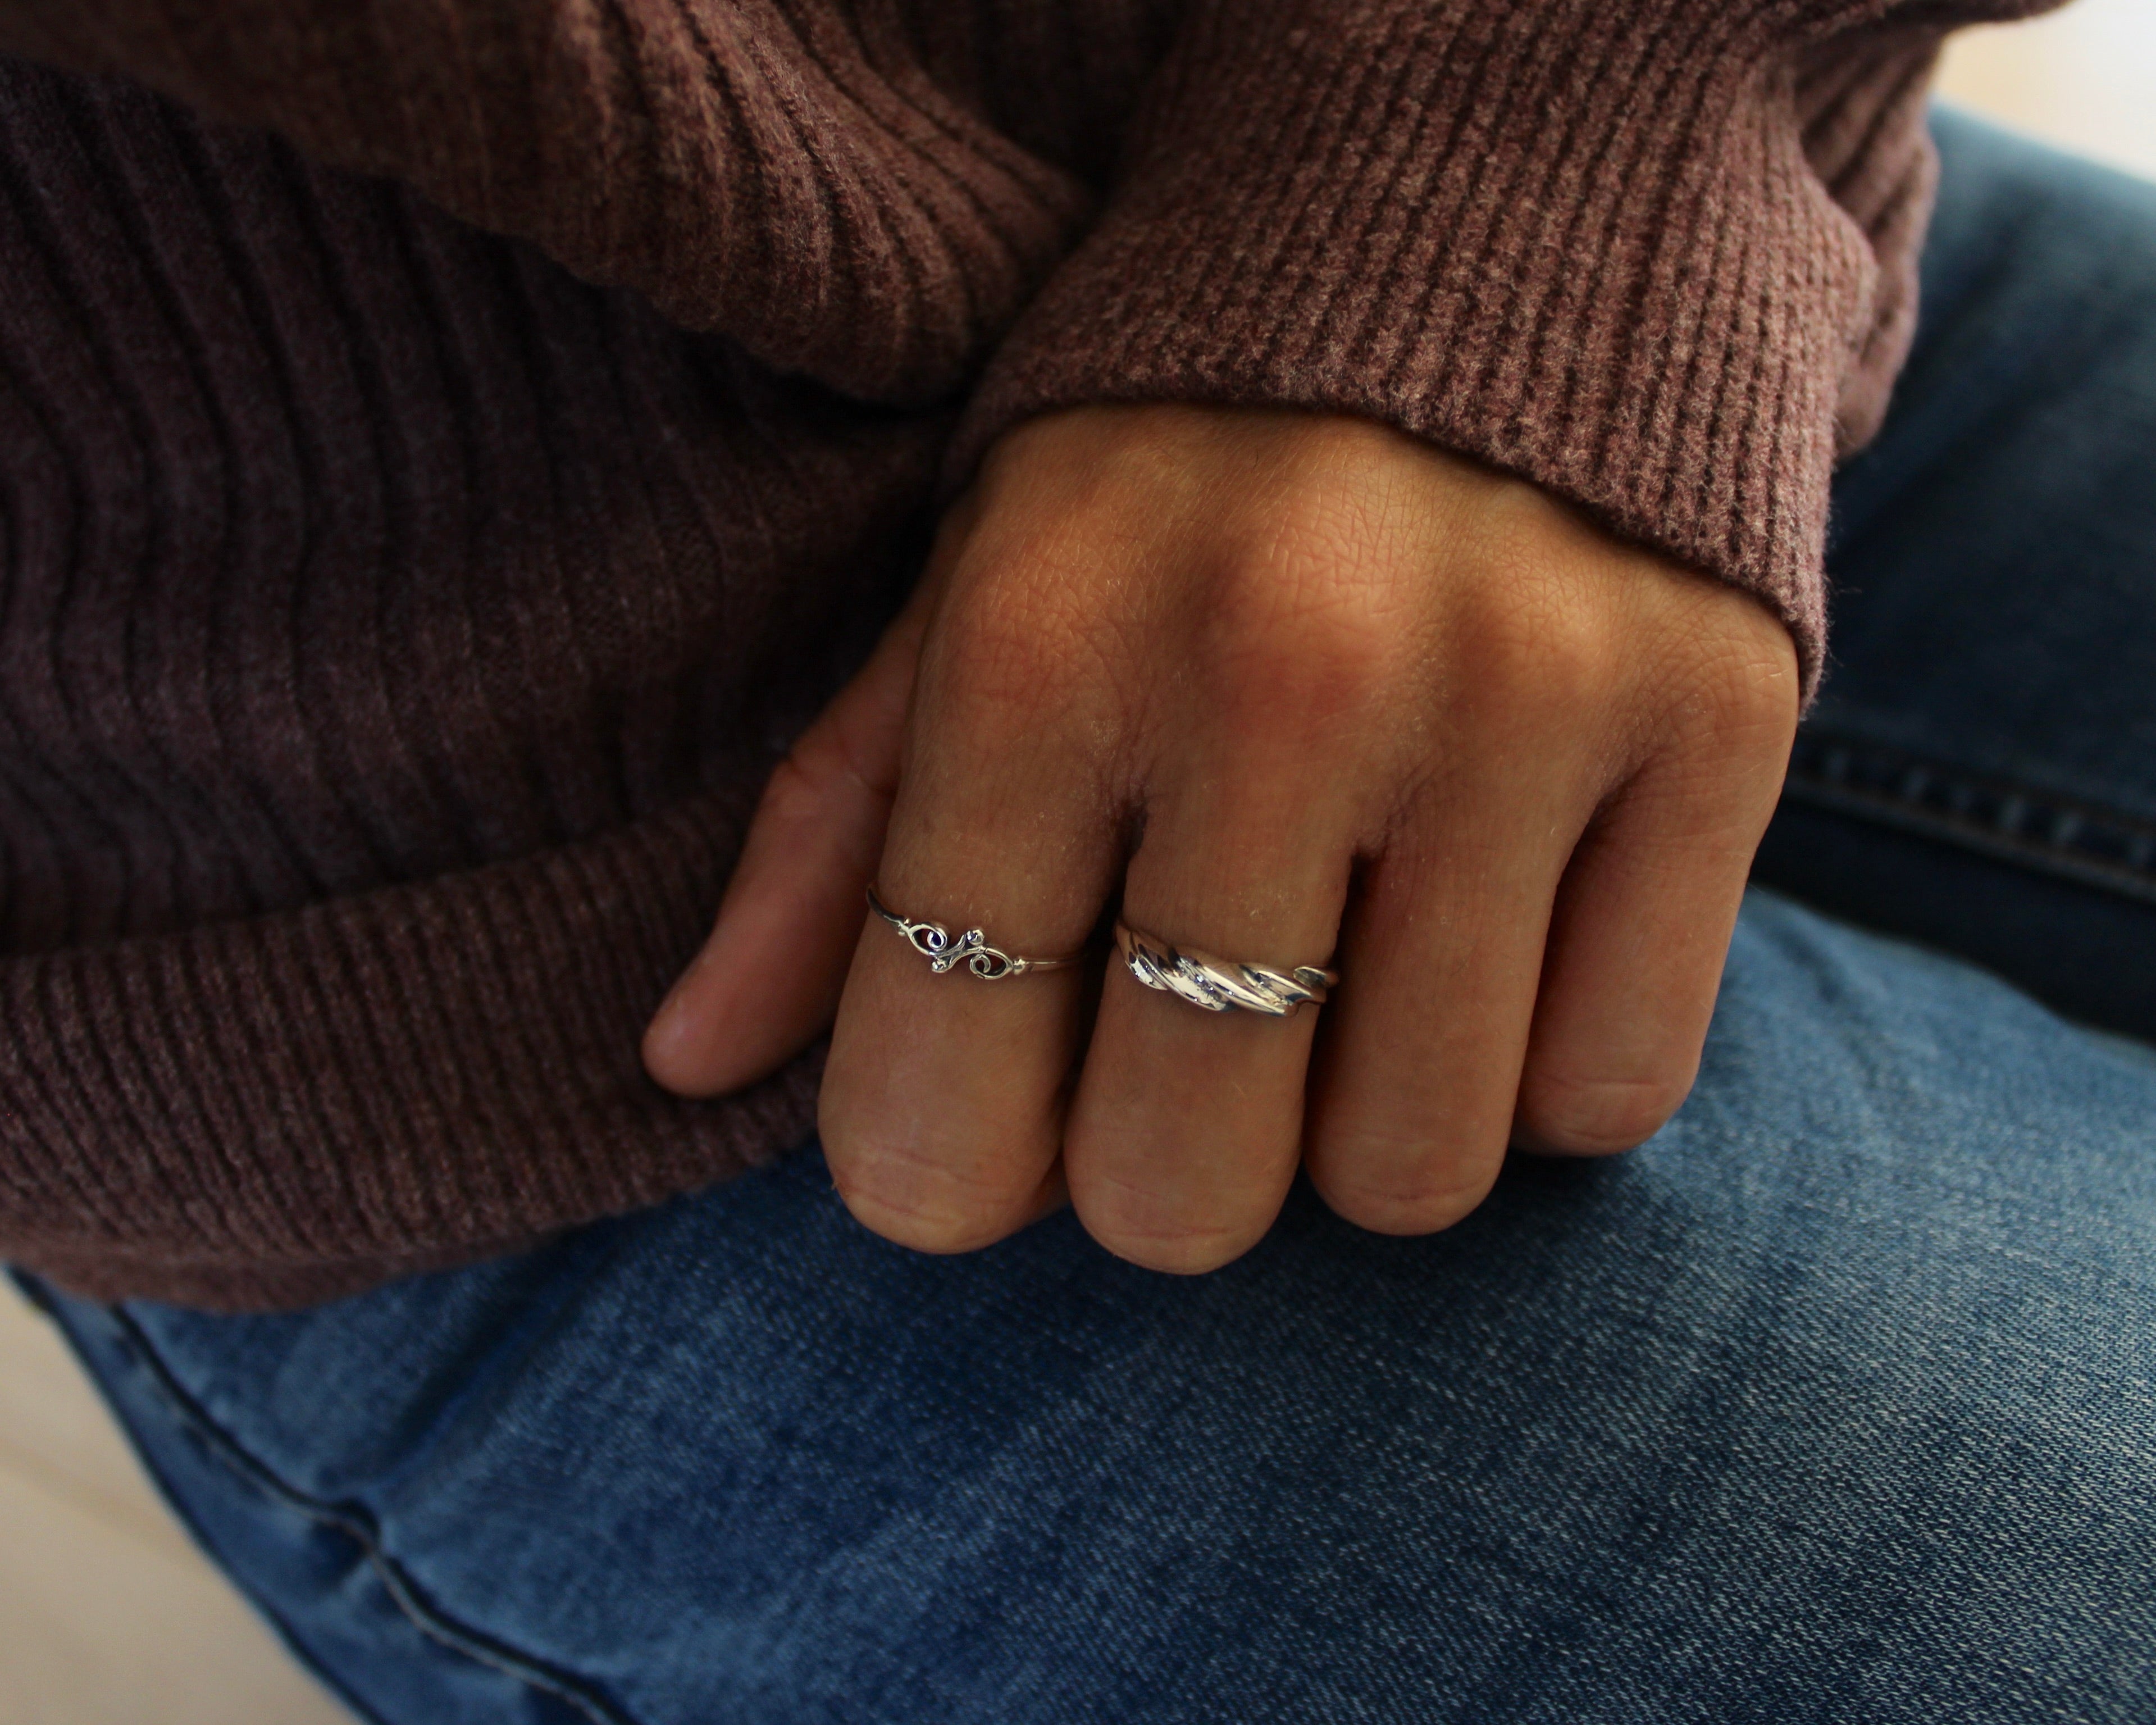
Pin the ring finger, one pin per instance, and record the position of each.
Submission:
(1414, 1101)
(1187, 1124)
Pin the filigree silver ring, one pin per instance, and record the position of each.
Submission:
(1221, 984)
(935, 943)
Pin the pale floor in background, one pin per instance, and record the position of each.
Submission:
(2085, 77)
(107, 1614)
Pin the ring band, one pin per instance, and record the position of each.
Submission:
(1221, 984)
(933, 942)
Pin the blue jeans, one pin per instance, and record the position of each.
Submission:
(1836, 1402)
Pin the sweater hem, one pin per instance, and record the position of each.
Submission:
(289, 1107)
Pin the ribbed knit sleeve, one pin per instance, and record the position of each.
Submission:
(1656, 256)
(395, 626)
(793, 175)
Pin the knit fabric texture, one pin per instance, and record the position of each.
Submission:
(450, 446)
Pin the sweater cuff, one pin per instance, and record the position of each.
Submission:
(1582, 243)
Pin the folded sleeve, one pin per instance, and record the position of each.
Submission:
(1657, 256)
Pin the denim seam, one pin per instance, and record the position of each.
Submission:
(357, 1525)
(2041, 830)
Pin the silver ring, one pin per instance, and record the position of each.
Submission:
(933, 942)
(1221, 984)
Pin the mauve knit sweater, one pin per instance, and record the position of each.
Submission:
(448, 447)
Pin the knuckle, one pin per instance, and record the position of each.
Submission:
(1300, 634)
(1156, 1231)
(1559, 646)
(798, 785)
(1021, 643)
(1738, 674)
(1391, 1188)
(913, 1195)
(1755, 688)
(1531, 644)
(1172, 1252)
(1572, 1115)
(927, 1215)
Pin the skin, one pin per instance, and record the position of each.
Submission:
(1299, 689)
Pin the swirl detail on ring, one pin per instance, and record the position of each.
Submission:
(970, 949)
(1221, 984)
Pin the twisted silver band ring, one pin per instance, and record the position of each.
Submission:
(933, 942)
(1220, 984)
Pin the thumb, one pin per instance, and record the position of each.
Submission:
(768, 979)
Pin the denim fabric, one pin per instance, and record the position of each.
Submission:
(1980, 772)
(1837, 1401)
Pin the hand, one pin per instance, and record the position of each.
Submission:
(1292, 684)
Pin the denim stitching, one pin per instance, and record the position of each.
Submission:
(357, 1525)
(2073, 841)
